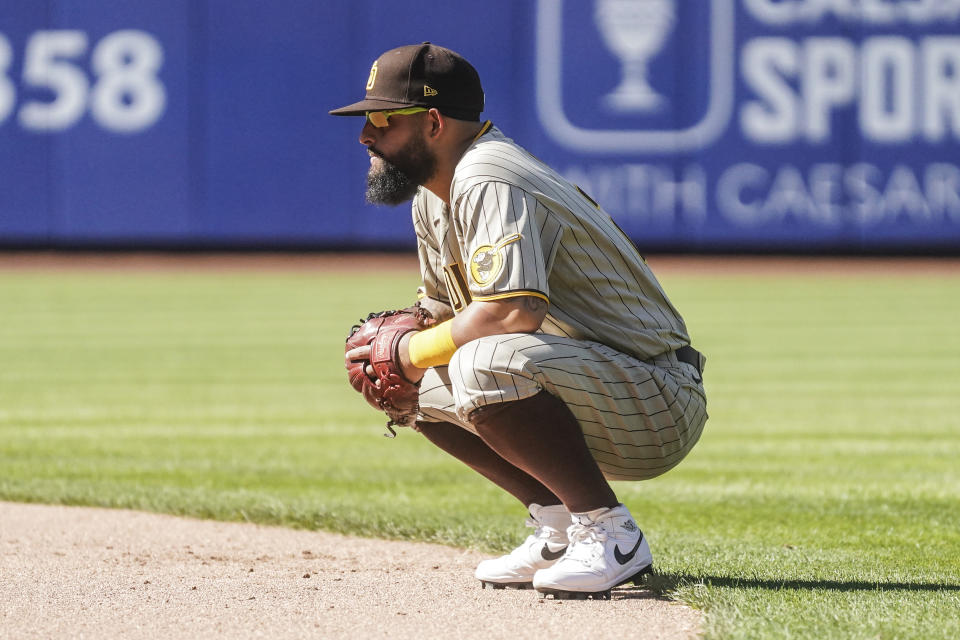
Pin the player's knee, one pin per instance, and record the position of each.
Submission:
(485, 362)
(490, 370)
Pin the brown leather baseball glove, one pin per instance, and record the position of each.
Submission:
(387, 390)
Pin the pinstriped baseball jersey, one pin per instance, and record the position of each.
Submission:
(607, 347)
(516, 227)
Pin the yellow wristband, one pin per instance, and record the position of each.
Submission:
(433, 346)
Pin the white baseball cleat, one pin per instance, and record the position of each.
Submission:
(606, 549)
(542, 548)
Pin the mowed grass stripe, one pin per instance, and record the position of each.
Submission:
(820, 503)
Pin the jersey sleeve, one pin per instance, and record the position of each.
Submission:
(428, 251)
(500, 230)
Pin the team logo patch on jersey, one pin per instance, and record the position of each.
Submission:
(486, 263)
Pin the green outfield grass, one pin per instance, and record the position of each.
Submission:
(823, 500)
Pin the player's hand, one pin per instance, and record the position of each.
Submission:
(410, 372)
(362, 354)
(359, 354)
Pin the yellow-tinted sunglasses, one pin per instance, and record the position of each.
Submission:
(381, 119)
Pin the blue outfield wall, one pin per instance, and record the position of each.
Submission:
(697, 124)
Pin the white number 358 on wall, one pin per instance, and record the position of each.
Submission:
(125, 96)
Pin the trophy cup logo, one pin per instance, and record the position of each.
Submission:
(635, 30)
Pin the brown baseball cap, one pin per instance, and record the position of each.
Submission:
(421, 75)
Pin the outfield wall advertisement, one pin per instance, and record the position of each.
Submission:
(697, 124)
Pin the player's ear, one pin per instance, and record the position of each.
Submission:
(436, 122)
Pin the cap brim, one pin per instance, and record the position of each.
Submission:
(370, 104)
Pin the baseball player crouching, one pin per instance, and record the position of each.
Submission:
(555, 361)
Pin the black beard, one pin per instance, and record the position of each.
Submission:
(389, 185)
(397, 182)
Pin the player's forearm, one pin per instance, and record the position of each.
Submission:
(522, 314)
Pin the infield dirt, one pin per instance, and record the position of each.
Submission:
(70, 572)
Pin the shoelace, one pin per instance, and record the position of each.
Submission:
(586, 542)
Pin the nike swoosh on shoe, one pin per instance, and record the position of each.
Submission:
(546, 554)
(624, 558)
